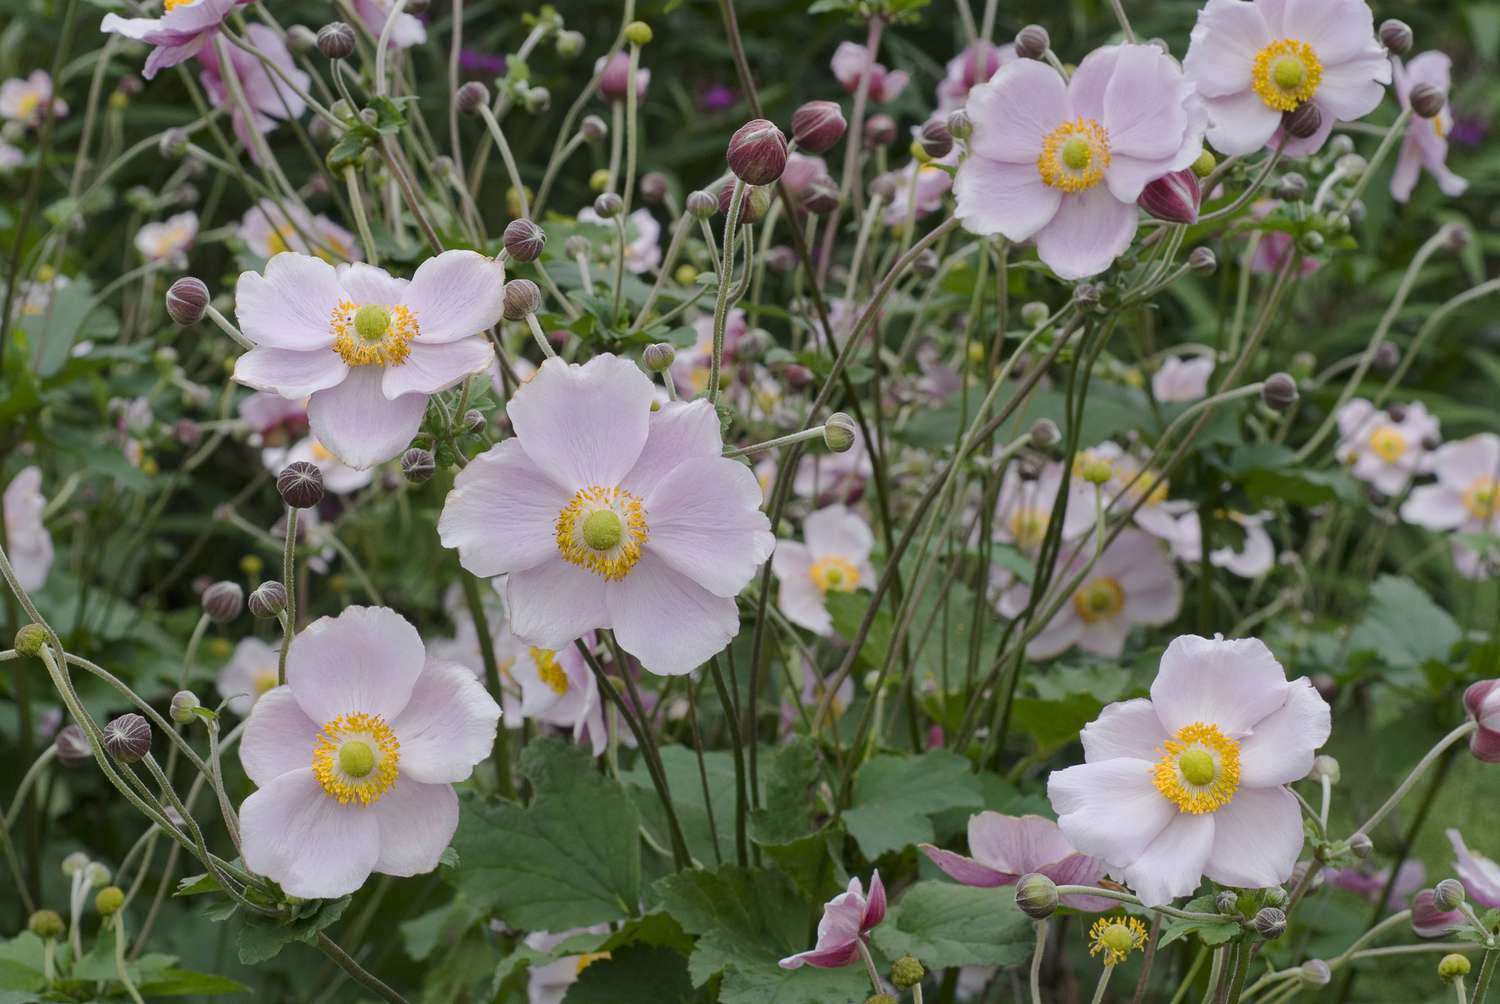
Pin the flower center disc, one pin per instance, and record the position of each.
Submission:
(355, 758)
(1480, 497)
(1199, 770)
(1028, 527)
(1388, 443)
(1115, 937)
(1098, 600)
(835, 573)
(602, 529)
(1286, 73)
(1074, 156)
(547, 668)
(371, 334)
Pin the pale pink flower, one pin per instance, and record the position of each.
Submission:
(1381, 451)
(834, 477)
(367, 347)
(558, 688)
(692, 366)
(851, 62)
(614, 77)
(548, 984)
(407, 32)
(249, 674)
(834, 558)
(1004, 848)
(1063, 161)
(1253, 558)
(1425, 144)
(1466, 495)
(1428, 920)
(1482, 702)
(27, 542)
(1475, 564)
(1192, 782)
(182, 32)
(273, 419)
(980, 61)
(923, 196)
(802, 170)
(1132, 583)
(27, 99)
(643, 237)
(168, 240)
(1252, 62)
(1131, 481)
(1370, 884)
(1024, 507)
(269, 229)
(605, 513)
(269, 98)
(1181, 380)
(1479, 874)
(847, 918)
(338, 477)
(355, 758)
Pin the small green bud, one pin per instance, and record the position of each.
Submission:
(1448, 894)
(658, 357)
(1315, 973)
(109, 900)
(907, 972)
(880, 999)
(1096, 471)
(638, 33)
(1269, 922)
(1036, 896)
(184, 706)
(47, 925)
(838, 432)
(1453, 966)
(30, 639)
(1205, 164)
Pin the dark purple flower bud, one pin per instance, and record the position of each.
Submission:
(187, 300)
(1387, 356)
(524, 240)
(936, 140)
(1427, 100)
(300, 484)
(821, 196)
(223, 601)
(1269, 922)
(609, 205)
(72, 745)
(267, 600)
(522, 297)
(1173, 197)
(757, 152)
(1279, 392)
(818, 125)
(128, 738)
(336, 40)
(880, 130)
(1303, 121)
(471, 97)
(1033, 42)
(1396, 36)
(654, 187)
(418, 465)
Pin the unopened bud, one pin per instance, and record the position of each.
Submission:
(1314, 973)
(1303, 121)
(577, 246)
(96, 874)
(821, 196)
(74, 863)
(128, 738)
(781, 258)
(1034, 313)
(757, 152)
(471, 97)
(72, 746)
(1033, 42)
(1087, 294)
(46, 924)
(1204, 165)
(1172, 197)
(593, 128)
(1274, 896)
(818, 125)
(30, 639)
(1202, 261)
(658, 357)
(609, 205)
(267, 600)
(300, 484)
(569, 43)
(185, 704)
(109, 900)
(1269, 923)
(1396, 36)
(1045, 434)
(1291, 187)
(1036, 896)
(1448, 894)
(936, 140)
(1279, 393)
(880, 130)
(753, 204)
(839, 432)
(1455, 236)
(187, 299)
(638, 33)
(1361, 846)
(1312, 242)
(418, 465)
(1227, 902)
(524, 240)
(1323, 766)
(654, 188)
(701, 205)
(301, 39)
(1453, 966)
(1386, 357)
(173, 144)
(522, 297)
(335, 40)
(223, 601)
(907, 972)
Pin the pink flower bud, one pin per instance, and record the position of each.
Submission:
(757, 152)
(818, 125)
(1173, 197)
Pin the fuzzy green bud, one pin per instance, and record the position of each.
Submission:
(1205, 164)
(638, 33)
(46, 924)
(838, 432)
(109, 900)
(907, 972)
(1036, 896)
(30, 639)
(1452, 967)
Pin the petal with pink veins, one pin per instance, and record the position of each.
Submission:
(1016, 110)
(995, 197)
(1091, 229)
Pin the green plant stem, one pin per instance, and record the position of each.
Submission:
(501, 751)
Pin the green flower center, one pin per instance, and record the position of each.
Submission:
(372, 322)
(602, 530)
(1289, 73)
(1197, 765)
(1076, 153)
(356, 759)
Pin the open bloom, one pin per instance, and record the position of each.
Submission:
(851, 63)
(1181, 380)
(1466, 495)
(557, 688)
(643, 248)
(1250, 560)
(168, 240)
(368, 347)
(835, 558)
(1192, 781)
(182, 31)
(1024, 507)
(249, 674)
(1380, 450)
(1482, 701)
(979, 61)
(269, 229)
(355, 758)
(606, 514)
(1064, 161)
(919, 189)
(268, 96)
(1425, 145)
(273, 419)
(1479, 874)
(405, 33)
(338, 477)
(1254, 61)
(692, 366)
(1004, 848)
(27, 100)
(27, 542)
(847, 918)
(548, 984)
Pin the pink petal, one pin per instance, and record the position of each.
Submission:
(447, 726)
(836, 530)
(455, 295)
(366, 661)
(554, 602)
(1124, 729)
(967, 870)
(291, 306)
(1091, 229)
(1458, 464)
(1354, 89)
(677, 432)
(359, 424)
(995, 197)
(297, 834)
(874, 904)
(279, 737)
(502, 513)
(290, 372)
(705, 522)
(668, 621)
(435, 367)
(1232, 684)
(1281, 748)
(1016, 110)
(584, 425)
(1257, 838)
(368, 284)
(1338, 30)
(1110, 809)
(1172, 865)
(1224, 44)
(1080, 869)
(416, 822)
(1240, 122)
(1090, 82)
(1016, 844)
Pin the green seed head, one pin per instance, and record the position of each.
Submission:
(1197, 766)
(372, 322)
(1076, 154)
(602, 530)
(356, 759)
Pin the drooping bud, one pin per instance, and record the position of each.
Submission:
(300, 484)
(960, 126)
(109, 900)
(128, 738)
(1036, 896)
(336, 40)
(659, 357)
(1452, 966)
(609, 205)
(30, 639)
(1448, 894)
(907, 972)
(654, 188)
(569, 43)
(1033, 42)
(936, 140)
(471, 97)
(522, 297)
(1045, 434)
(1279, 393)
(593, 128)
(1303, 121)
(1396, 36)
(577, 246)
(74, 863)
(185, 705)
(1269, 923)
(1173, 197)
(757, 152)
(818, 125)
(267, 600)
(187, 300)
(96, 874)
(46, 924)
(1324, 766)
(701, 205)
(1427, 101)
(301, 39)
(821, 196)
(223, 601)
(839, 432)
(880, 130)
(1361, 846)
(72, 745)
(1315, 973)
(1034, 313)
(524, 240)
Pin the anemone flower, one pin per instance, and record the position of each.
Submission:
(847, 918)
(28, 544)
(1425, 145)
(181, 33)
(834, 558)
(1004, 848)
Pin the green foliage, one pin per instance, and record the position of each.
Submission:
(895, 796)
(944, 924)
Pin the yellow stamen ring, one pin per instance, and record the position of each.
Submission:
(355, 758)
(1074, 156)
(547, 668)
(602, 529)
(1199, 770)
(1099, 599)
(1116, 937)
(371, 334)
(1286, 73)
(1481, 496)
(833, 572)
(1388, 443)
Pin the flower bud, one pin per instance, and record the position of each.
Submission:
(1087, 294)
(1386, 358)
(936, 140)
(1448, 894)
(335, 40)
(72, 745)
(1274, 896)
(184, 705)
(609, 205)
(1269, 922)
(781, 258)
(300, 484)
(74, 863)
(638, 33)
(1396, 36)
(471, 97)
(907, 972)
(569, 43)
(880, 130)
(1340, 144)
(658, 357)
(753, 204)
(46, 924)
(522, 297)
(1279, 393)
(524, 240)
(96, 875)
(1452, 966)
(839, 432)
(1315, 973)
(223, 601)
(701, 205)
(1173, 197)
(818, 125)
(1034, 313)
(418, 465)
(821, 196)
(1204, 165)
(1033, 42)
(30, 639)
(757, 152)
(1036, 896)
(1202, 261)
(1455, 236)
(577, 246)
(109, 900)
(593, 128)
(267, 600)
(1302, 121)
(1227, 902)
(1045, 434)
(301, 39)
(1292, 187)
(1361, 846)
(880, 999)
(128, 738)
(654, 188)
(1312, 242)
(187, 300)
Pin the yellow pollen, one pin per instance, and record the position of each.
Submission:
(361, 339)
(1028, 527)
(1099, 599)
(355, 759)
(584, 961)
(602, 529)
(277, 242)
(174, 4)
(1286, 73)
(1116, 937)
(264, 680)
(1199, 770)
(547, 668)
(833, 572)
(319, 451)
(1388, 443)
(1074, 156)
(1480, 497)
(28, 105)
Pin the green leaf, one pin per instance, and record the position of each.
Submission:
(639, 974)
(847, 611)
(894, 795)
(945, 924)
(21, 963)
(686, 784)
(185, 983)
(1403, 626)
(570, 859)
(788, 814)
(261, 939)
(196, 885)
(1210, 932)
